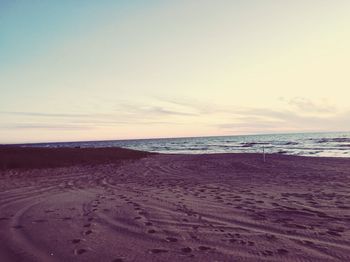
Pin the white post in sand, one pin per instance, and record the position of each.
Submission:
(264, 154)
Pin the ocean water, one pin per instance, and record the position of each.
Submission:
(303, 144)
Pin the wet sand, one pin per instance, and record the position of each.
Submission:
(124, 205)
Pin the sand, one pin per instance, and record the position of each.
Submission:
(133, 206)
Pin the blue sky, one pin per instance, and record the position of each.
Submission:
(91, 70)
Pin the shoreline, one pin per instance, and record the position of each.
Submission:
(40, 157)
(302, 144)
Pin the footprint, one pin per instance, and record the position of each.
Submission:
(270, 237)
(88, 232)
(186, 250)
(118, 260)
(80, 251)
(171, 239)
(151, 231)
(75, 241)
(333, 233)
(267, 253)
(204, 248)
(39, 221)
(158, 250)
(282, 251)
(87, 225)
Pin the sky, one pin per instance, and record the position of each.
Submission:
(100, 70)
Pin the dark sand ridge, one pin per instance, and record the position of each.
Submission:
(36, 157)
(135, 206)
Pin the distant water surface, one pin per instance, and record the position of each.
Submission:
(303, 144)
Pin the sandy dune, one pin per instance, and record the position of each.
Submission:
(224, 207)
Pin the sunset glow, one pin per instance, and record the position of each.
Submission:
(95, 70)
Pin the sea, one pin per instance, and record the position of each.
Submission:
(302, 144)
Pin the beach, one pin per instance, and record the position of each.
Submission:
(110, 204)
